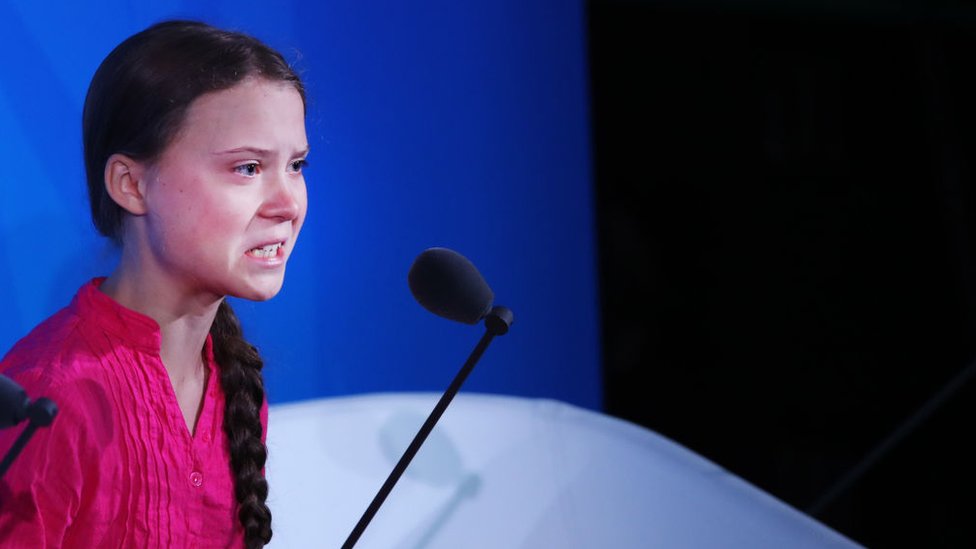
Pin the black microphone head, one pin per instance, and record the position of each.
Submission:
(449, 285)
(13, 403)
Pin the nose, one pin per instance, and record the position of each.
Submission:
(285, 197)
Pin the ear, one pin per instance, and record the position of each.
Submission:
(125, 183)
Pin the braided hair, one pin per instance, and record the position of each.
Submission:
(240, 377)
(136, 103)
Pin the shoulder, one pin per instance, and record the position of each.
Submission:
(53, 352)
(68, 345)
(55, 360)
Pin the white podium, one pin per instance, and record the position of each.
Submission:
(507, 472)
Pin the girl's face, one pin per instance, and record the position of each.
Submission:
(226, 199)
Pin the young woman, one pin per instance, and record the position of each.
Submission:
(194, 147)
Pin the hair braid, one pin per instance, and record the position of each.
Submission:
(240, 378)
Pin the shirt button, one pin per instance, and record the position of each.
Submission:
(196, 479)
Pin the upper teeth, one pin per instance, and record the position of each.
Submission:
(270, 250)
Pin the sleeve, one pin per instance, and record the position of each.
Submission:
(41, 492)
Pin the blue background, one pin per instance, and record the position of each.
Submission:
(431, 123)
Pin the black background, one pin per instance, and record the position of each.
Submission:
(785, 216)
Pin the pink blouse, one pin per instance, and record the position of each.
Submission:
(118, 467)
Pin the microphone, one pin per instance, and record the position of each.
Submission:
(445, 283)
(15, 407)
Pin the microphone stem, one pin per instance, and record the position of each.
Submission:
(419, 439)
(19, 444)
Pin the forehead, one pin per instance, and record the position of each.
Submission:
(256, 112)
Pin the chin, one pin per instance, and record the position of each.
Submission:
(258, 296)
(259, 292)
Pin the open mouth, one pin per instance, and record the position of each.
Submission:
(269, 251)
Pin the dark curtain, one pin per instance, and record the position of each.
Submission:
(785, 210)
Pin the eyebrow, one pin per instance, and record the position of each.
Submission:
(258, 151)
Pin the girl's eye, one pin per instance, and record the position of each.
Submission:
(298, 165)
(250, 169)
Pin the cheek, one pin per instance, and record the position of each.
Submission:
(222, 220)
(178, 198)
(303, 203)
(188, 216)
(302, 199)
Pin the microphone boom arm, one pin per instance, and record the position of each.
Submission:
(497, 322)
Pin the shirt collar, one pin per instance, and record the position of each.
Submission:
(136, 329)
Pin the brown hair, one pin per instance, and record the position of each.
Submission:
(135, 105)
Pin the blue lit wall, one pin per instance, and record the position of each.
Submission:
(457, 124)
